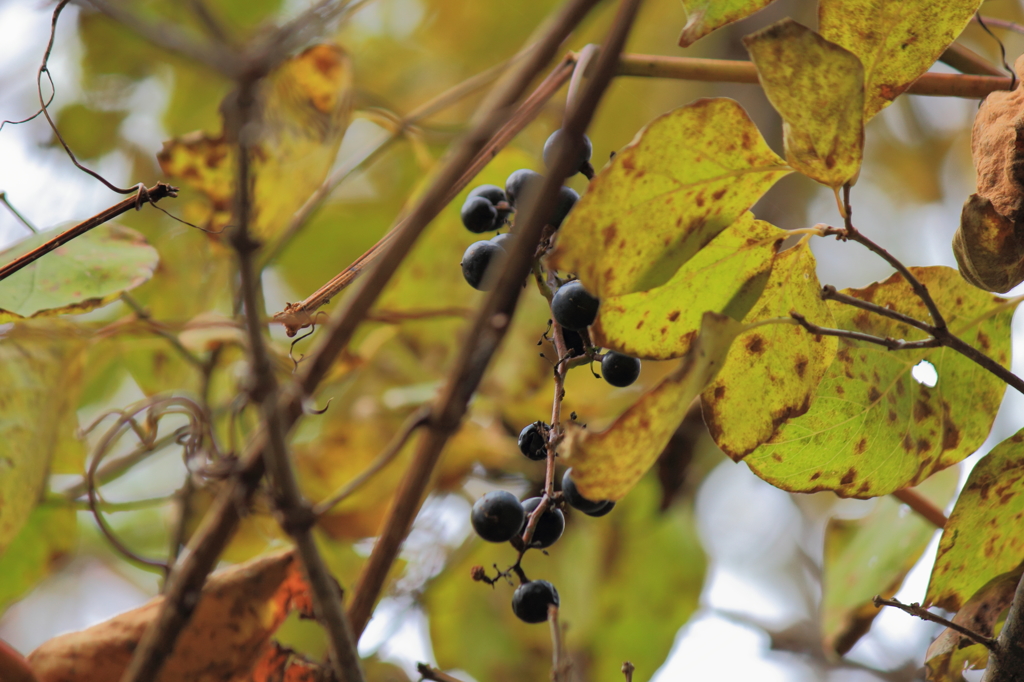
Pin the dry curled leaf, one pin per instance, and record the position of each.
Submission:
(989, 244)
(239, 610)
(989, 248)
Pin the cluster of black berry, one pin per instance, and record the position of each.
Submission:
(488, 208)
(499, 516)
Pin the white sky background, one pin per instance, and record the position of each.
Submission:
(751, 530)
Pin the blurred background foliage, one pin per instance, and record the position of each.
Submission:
(703, 570)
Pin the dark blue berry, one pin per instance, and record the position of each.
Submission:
(479, 215)
(619, 369)
(554, 141)
(549, 526)
(577, 501)
(573, 307)
(497, 516)
(478, 262)
(531, 600)
(533, 441)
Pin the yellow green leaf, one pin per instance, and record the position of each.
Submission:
(952, 653)
(40, 370)
(686, 177)
(772, 372)
(89, 132)
(43, 545)
(308, 105)
(607, 464)
(984, 536)
(818, 89)
(704, 16)
(874, 428)
(896, 41)
(873, 555)
(988, 249)
(82, 275)
(726, 276)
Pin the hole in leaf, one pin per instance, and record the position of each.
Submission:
(924, 373)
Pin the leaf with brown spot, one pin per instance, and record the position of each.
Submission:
(239, 610)
(727, 276)
(607, 464)
(704, 16)
(818, 89)
(82, 275)
(757, 392)
(989, 248)
(984, 536)
(686, 177)
(866, 381)
(306, 108)
(951, 653)
(896, 41)
(870, 556)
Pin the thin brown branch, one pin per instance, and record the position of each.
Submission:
(735, 71)
(922, 505)
(916, 609)
(21, 219)
(888, 342)
(428, 673)
(966, 60)
(371, 154)
(920, 289)
(116, 467)
(413, 422)
(559, 663)
(999, 23)
(210, 54)
(158, 329)
(627, 670)
(296, 517)
(1007, 662)
(152, 194)
(298, 315)
(491, 323)
(829, 293)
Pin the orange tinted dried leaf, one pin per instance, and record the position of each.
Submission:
(239, 610)
(995, 141)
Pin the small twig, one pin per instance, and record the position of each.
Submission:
(1007, 662)
(152, 194)
(999, 23)
(966, 60)
(428, 673)
(627, 670)
(734, 71)
(373, 152)
(158, 329)
(413, 422)
(114, 468)
(297, 315)
(210, 54)
(888, 342)
(916, 609)
(920, 289)
(922, 505)
(829, 293)
(559, 664)
(21, 219)
(296, 516)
